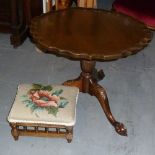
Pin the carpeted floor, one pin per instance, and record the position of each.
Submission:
(130, 86)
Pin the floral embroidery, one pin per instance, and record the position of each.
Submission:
(43, 98)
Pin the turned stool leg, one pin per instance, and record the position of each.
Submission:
(69, 134)
(14, 131)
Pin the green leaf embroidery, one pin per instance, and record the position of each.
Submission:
(63, 103)
(24, 96)
(40, 87)
(62, 98)
(37, 86)
(34, 107)
(48, 88)
(57, 92)
(53, 111)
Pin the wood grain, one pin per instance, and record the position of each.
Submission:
(89, 34)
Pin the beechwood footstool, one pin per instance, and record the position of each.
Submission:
(44, 110)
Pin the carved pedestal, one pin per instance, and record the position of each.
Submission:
(87, 83)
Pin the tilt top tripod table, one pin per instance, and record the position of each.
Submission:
(90, 35)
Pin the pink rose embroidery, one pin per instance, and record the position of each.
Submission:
(41, 97)
(44, 98)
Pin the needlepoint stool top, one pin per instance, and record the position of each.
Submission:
(44, 104)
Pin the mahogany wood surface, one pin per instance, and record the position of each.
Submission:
(90, 35)
(15, 16)
(5, 15)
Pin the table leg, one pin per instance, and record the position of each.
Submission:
(87, 83)
(101, 95)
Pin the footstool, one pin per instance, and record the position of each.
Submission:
(44, 110)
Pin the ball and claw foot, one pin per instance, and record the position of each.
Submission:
(15, 138)
(69, 140)
(120, 129)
